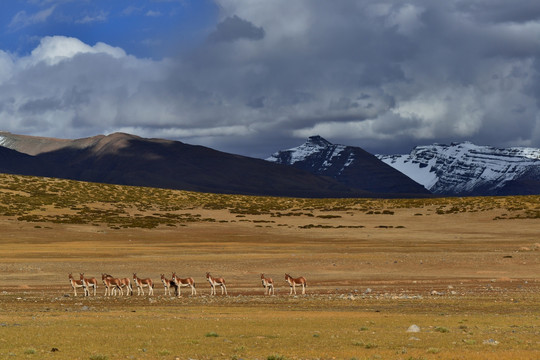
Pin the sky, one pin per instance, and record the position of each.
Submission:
(252, 77)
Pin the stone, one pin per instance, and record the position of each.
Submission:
(413, 329)
(490, 342)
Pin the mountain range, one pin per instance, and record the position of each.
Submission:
(458, 169)
(316, 168)
(131, 160)
(466, 169)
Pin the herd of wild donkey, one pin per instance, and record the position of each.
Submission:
(114, 285)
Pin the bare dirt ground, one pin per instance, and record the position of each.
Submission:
(401, 252)
(370, 276)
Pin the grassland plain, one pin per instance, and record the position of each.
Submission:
(464, 270)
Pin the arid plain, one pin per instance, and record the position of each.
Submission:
(466, 271)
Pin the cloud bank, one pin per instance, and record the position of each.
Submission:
(381, 75)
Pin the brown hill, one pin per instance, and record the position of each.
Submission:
(131, 160)
(126, 159)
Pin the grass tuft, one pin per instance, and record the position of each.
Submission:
(442, 329)
(365, 345)
(276, 357)
(99, 357)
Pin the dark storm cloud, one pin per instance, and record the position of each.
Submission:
(381, 75)
(500, 11)
(39, 106)
(256, 103)
(234, 28)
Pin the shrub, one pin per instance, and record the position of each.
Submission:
(442, 329)
(99, 357)
(276, 357)
(365, 345)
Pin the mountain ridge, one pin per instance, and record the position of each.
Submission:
(466, 169)
(320, 168)
(126, 159)
(349, 165)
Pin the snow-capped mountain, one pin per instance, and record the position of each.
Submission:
(468, 169)
(349, 165)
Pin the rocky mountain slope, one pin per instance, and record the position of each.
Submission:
(468, 169)
(349, 165)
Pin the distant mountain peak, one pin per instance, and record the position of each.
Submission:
(464, 168)
(313, 145)
(319, 140)
(349, 165)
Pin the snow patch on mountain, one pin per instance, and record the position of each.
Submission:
(349, 165)
(421, 172)
(314, 145)
(4, 141)
(349, 161)
(338, 149)
(464, 168)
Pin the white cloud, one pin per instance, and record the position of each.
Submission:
(67, 88)
(101, 16)
(22, 19)
(6, 66)
(54, 49)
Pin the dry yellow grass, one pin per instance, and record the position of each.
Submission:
(371, 265)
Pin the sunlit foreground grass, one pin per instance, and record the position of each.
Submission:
(480, 256)
(281, 327)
